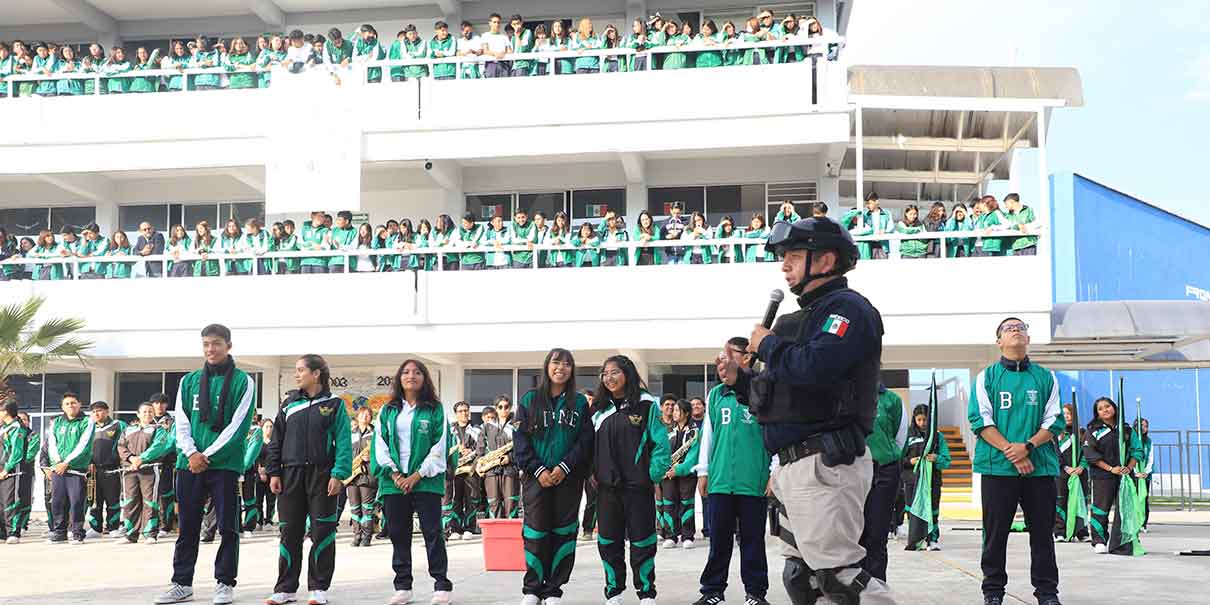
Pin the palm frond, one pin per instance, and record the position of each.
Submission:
(15, 320)
(53, 329)
(72, 347)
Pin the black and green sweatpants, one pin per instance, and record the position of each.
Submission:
(627, 513)
(503, 495)
(14, 504)
(550, 520)
(1105, 497)
(1061, 484)
(304, 495)
(106, 512)
(362, 502)
(676, 508)
(168, 505)
(250, 512)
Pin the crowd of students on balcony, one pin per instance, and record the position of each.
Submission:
(238, 63)
(526, 241)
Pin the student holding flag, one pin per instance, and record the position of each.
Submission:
(1071, 518)
(1146, 463)
(924, 457)
(1113, 451)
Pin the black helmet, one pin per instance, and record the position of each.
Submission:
(814, 234)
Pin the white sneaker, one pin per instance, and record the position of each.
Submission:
(531, 599)
(1100, 549)
(75, 540)
(401, 597)
(902, 532)
(454, 536)
(318, 597)
(13, 540)
(934, 546)
(1060, 539)
(466, 535)
(248, 535)
(614, 600)
(1144, 530)
(646, 601)
(553, 601)
(151, 540)
(223, 594)
(441, 597)
(281, 598)
(92, 533)
(117, 533)
(669, 543)
(175, 594)
(687, 544)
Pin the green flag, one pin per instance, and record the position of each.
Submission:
(1128, 497)
(1077, 508)
(921, 506)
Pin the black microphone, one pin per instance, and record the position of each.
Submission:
(775, 299)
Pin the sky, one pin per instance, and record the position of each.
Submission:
(1144, 128)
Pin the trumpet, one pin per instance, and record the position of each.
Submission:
(492, 459)
(359, 463)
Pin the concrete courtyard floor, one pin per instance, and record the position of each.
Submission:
(104, 571)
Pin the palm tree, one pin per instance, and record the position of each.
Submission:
(26, 348)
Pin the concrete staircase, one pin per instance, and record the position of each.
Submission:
(957, 501)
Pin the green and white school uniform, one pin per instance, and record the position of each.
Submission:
(426, 447)
(8, 67)
(313, 239)
(709, 58)
(287, 244)
(230, 245)
(1024, 217)
(752, 56)
(208, 80)
(677, 60)
(117, 270)
(68, 87)
(465, 238)
(387, 261)
(335, 55)
(731, 57)
(611, 241)
(266, 61)
(519, 236)
(911, 248)
(587, 251)
(442, 49)
(757, 251)
(207, 268)
(589, 43)
(365, 52)
(97, 247)
(115, 85)
(638, 46)
(415, 260)
(52, 251)
(497, 258)
(182, 246)
(637, 236)
(993, 246)
(177, 82)
(953, 244)
(705, 253)
(559, 258)
(257, 243)
(240, 76)
(562, 66)
(403, 49)
(781, 217)
(729, 253)
(444, 240)
(523, 43)
(45, 87)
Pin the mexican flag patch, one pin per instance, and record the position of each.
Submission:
(836, 324)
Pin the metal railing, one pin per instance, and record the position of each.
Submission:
(815, 48)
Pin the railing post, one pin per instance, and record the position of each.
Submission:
(1182, 456)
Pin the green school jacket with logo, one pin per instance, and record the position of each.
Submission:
(589, 43)
(97, 247)
(266, 60)
(240, 77)
(225, 447)
(562, 430)
(14, 439)
(1019, 399)
(146, 84)
(313, 239)
(428, 430)
(34, 446)
(253, 444)
(344, 239)
(372, 51)
(519, 236)
(890, 429)
(494, 258)
(522, 43)
(732, 452)
(288, 243)
(1024, 217)
(199, 58)
(70, 441)
(709, 58)
(473, 236)
(206, 268)
(440, 49)
(994, 221)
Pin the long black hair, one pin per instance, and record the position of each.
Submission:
(543, 400)
(635, 386)
(428, 393)
(1096, 418)
(915, 431)
(317, 363)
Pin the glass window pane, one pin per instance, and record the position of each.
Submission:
(77, 217)
(172, 380)
(175, 215)
(201, 212)
(737, 201)
(57, 384)
(660, 200)
(480, 387)
(243, 211)
(547, 203)
(484, 207)
(28, 391)
(134, 388)
(24, 221)
(683, 381)
(593, 203)
(527, 380)
(588, 377)
(129, 217)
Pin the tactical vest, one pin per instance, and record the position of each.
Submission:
(851, 400)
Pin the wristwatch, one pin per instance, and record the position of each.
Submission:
(1029, 446)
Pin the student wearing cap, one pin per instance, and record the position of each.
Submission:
(105, 516)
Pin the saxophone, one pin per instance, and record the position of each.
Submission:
(492, 459)
(679, 455)
(90, 490)
(359, 463)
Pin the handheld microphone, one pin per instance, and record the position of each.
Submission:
(775, 299)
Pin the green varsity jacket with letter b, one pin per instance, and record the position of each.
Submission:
(224, 447)
(1018, 398)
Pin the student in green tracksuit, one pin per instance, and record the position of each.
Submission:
(67, 64)
(958, 222)
(242, 63)
(47, 247)
(885, 443)
(366, 49)
(32, 449)
(709, 37)
(67, 450)
(8, 67)
(678, 485)
(254, 442)
(757, 253)
(469, 236)
(118, 64)
(919, 536)
(92, 244)
(521, 233)
(283, 239)
(638, 41)
(179, 60)
(337, 50)
(203, 244)
(1112, 457)
(1014, 411)
(630, 454)
(229, 242)
(44, 64)
(586, 39)
(559, 235)
(205, 58)
(1021, 218)
(409, 460)
(495, 237)
(212, 416)
(1069, 445)
(645, 230)
(552, 444)
(344, 238)
(310, 455)
(733, 477)
(143, 62)
(911, 248)
(988, 218)
(408, 46)
(269, 59)
(443, 46)
(14, 441)
(521, 41)
(444, 235)
(673, 37)
(315, 236)
(587, 244)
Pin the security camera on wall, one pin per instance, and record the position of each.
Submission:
(428, 165)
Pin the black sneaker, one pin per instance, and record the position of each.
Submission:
(993, 599)
(709, 599)
(207, 538)
(751, 600)
(1049, 601)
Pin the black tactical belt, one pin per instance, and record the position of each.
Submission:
(798, 451)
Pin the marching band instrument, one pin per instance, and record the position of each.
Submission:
(358, 463)
(492, 459)
(679, 455)
(90, 489)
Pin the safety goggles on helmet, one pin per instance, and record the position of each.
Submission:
(779, 236)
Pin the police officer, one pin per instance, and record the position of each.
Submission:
(815, 400)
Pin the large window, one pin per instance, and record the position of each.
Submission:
(485, 206)
(29, 221)
(737, 201)
(593, 203)
(661, 199)
(164, 216)
(134, 388)
(44, 392)
(480, 387)
(685, 381)
(27, 390)
(547, 203)
(582, 203)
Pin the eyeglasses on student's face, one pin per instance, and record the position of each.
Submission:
(612, 374)
(1015, 327)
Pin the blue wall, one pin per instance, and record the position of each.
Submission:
(1111, 246)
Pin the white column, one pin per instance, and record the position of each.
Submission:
(828, 190)
(451, 387)
(107, 216)
(101, 388)
(636, 202)
(635, 9)
(860, 158)
(1042, 209)
(271, 392)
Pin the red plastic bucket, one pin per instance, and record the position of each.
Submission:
(503, 549)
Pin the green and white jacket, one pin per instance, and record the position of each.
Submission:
(225, 447)
(1019, 399)
(69, 440)
(732, 453)
(410, 439)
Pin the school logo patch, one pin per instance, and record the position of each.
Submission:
(325, 412)
(424, 427)
(112, 433)
(1031, 398)
(836, 324)
(635, 420)
(747, 419)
